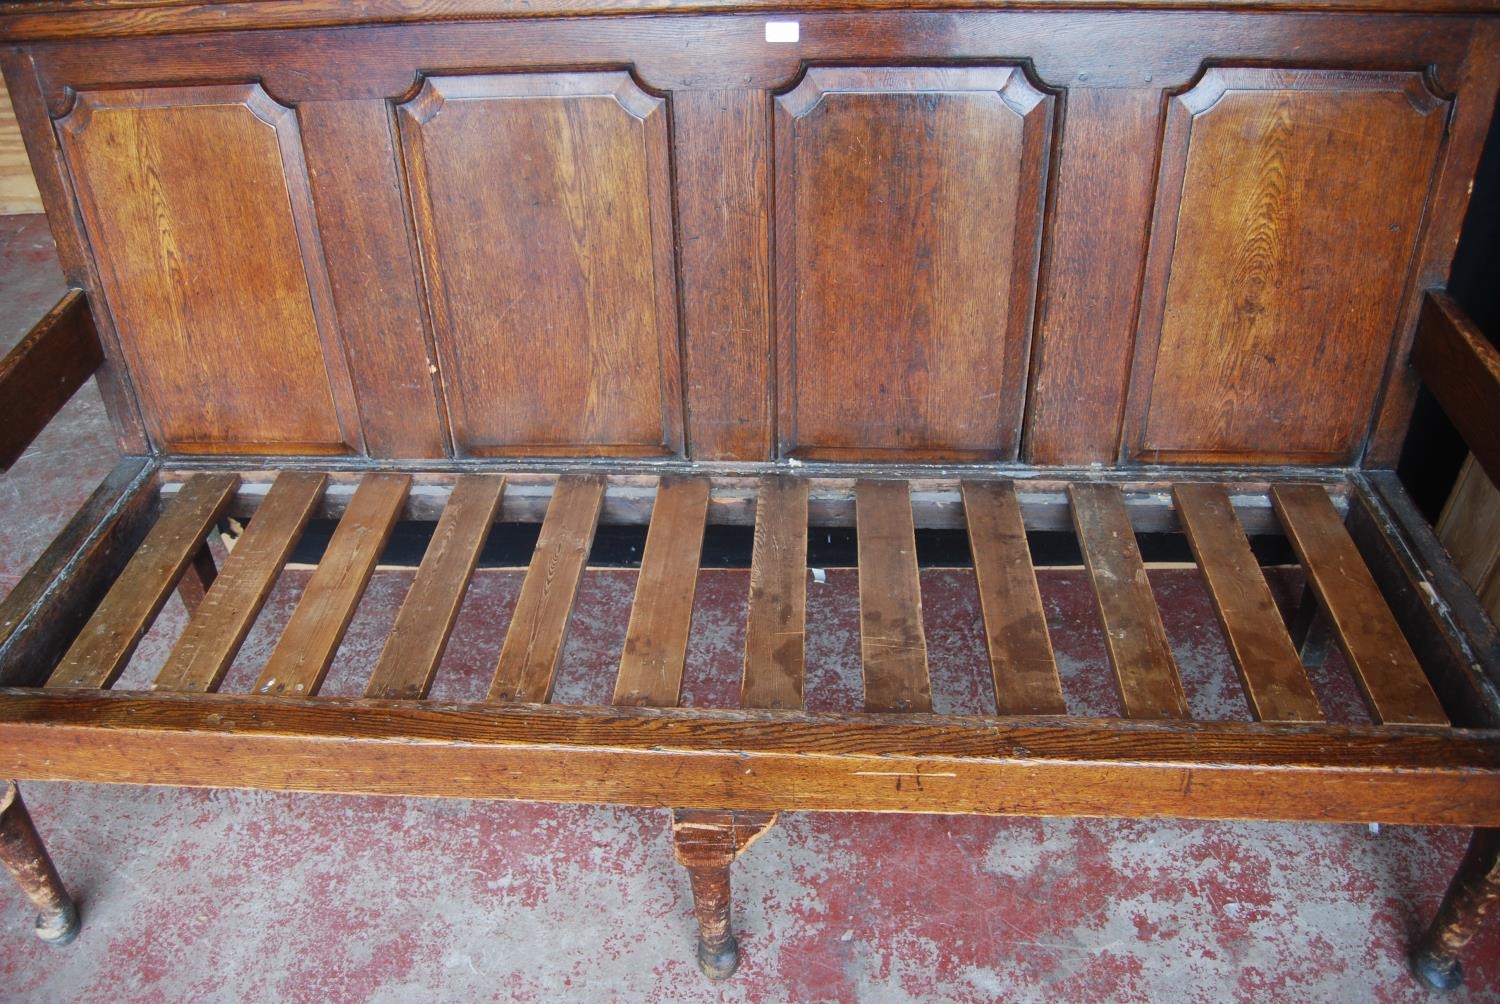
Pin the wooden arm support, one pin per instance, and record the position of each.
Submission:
(1462, 369)
(41, 374)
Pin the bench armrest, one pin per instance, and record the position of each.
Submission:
(41, 374)
(1462, 369)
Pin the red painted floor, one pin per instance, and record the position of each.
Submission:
(216, 895)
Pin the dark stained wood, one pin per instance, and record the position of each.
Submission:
(1384, 665)
(722, 143)
(758, 760)
(706, 843)
(908, 214)
(41, 374)
(1462, 369)
(354, 170)
(543, 204)
(209, 274)
(662, 615)
(539, 626)
(1474, 893)
(417, 640)
(1274, 679)
(311, 638)
(213, 637)
(25, 856)
(1086, 327)
(107, 641)
(1454, 639)
(892, 641)
(1015, 626)
(42, 615)
(1262, 173)
(776, 625)
(1133, 632)
(197, 579)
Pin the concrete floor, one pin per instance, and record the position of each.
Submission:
(222, 895)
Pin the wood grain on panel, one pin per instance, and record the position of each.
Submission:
(1269, 311)
(543, 205)
(1106, 172)
(372, 266)
(723, 146)
(18, 192)
(908, 211)
(214, 278)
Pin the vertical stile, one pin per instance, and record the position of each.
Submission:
(415, 646)
(776, 626)
(306, 649)
(203, 654)
(108, 640)
(1387, 670)
(1015, 626)
(893, 644)
(661, 617)
(1133, 631)
(1273, 676)
(539, 627)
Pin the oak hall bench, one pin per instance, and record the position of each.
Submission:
(1094, 267)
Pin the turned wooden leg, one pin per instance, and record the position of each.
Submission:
(1473, 893)
(23, 855)
(706, 843)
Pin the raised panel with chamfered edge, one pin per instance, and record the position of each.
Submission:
(543, 207)
(1286, 225)
(214, 278)
(907, 221)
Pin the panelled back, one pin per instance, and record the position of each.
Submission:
(1053, 237)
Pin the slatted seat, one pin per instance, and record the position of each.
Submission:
(994, 515)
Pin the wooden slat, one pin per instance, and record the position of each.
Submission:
(41, 374)
(307, 646)
(758, 760)
(662, 615)
(1462, 369)
(1385, 666)
(893, 643)
(1133, 632)
(203, 654)
(775, 629)
(101, 650)
(1274, 678)
(1015, 626)
(539, 627)
(415, 646)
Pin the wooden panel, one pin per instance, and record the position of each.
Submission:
(43, 371)
(1387, 670)
(1273, 676)
(544, 207)
(1469, 527)
(908, 214)
(723, 196)
(416, 642)
(1462, 369)
(539, 627)
(1269, 315)
(212, 273)
(662, 615)
(311, 638)
(892, 641)
(107, 641)
(206, 648)
(776, 626)
(1133, 632)
(18, 193)
(1087, 308)
(758, 760)
(373, 273)
(1015, 626)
